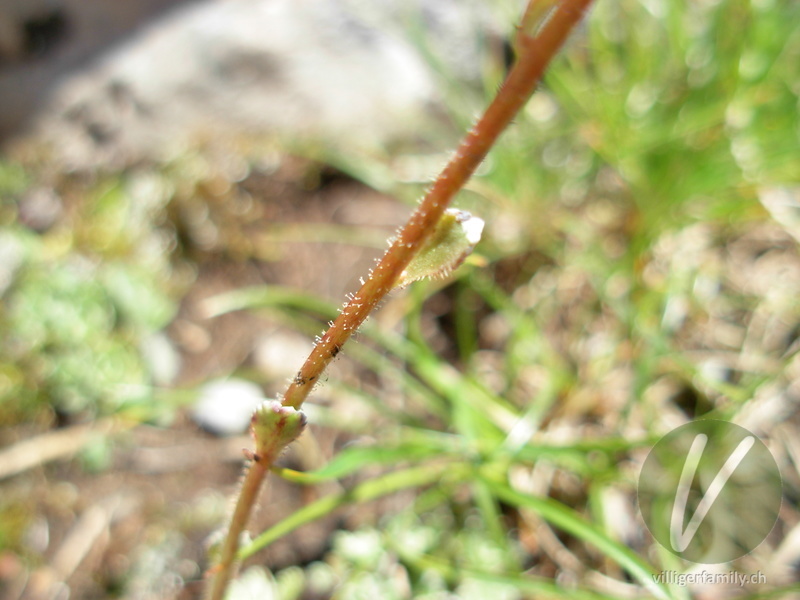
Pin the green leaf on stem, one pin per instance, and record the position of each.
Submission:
(453, 239)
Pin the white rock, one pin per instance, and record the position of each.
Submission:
(161, 357)
(224, 406)
(281, 353)
(242, 67)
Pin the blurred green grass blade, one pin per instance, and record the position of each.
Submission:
(577, 457)
(493, 520)
(610, 445)
(494, 416)
(539, 587)
(568, 520)
(369, 490)
(352, 459)
(325, 233)
(267, 296)
(466, 326)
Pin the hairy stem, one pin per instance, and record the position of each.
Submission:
(248, 495)
(536, 49)
(535, 53)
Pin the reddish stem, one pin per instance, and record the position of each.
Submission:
(536, 51)
(248, 494)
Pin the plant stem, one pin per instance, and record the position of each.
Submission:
(535, 54)
(241, 515)
(536, 50)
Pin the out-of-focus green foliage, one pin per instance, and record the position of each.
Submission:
(79, 300)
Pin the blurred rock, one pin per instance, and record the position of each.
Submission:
(225, 406)
(13, 250)
(44, 42)
(321, 70)
(280, 353)
(40, 208)
(163, 360)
